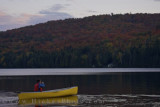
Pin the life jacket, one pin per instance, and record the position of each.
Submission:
(36, 88)
(41, 89)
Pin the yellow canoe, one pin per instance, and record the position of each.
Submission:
(67, 100)
(48, 94)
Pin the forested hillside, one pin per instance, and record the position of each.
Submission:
(129, 40)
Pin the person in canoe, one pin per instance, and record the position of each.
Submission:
(38, 87)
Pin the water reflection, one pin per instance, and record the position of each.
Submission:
(112, 89)
(107, 100)
(69, 100)
(115, 83)
(119, 100)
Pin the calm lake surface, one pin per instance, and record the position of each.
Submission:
(97, 87)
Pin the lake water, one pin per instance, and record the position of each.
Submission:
(97, 87)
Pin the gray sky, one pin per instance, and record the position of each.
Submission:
(18, 13)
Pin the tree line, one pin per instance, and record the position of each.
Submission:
(128, 40)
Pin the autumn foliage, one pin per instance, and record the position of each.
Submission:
(129, 40)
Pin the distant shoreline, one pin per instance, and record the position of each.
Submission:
(73, 71)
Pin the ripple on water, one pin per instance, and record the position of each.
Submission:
(10, 99)
(120, 100)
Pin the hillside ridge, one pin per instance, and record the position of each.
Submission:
(117, 40)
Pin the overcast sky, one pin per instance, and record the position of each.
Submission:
(18, 13)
